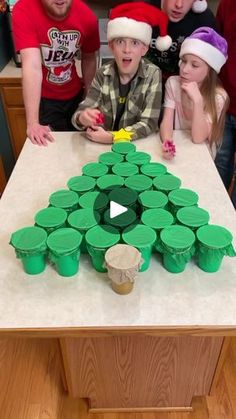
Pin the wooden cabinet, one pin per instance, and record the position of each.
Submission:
(11, 93)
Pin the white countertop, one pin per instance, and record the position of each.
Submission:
(10, 71)
(191, 299)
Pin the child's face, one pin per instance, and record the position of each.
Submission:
(127, 53)
(193, 68)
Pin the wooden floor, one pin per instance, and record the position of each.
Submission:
(31, 387)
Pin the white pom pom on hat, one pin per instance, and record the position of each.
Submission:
(199, 6)
(135, 20)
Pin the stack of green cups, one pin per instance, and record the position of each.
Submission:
(109, 182)
(123, 148)
(81, 184)
(192, 217)
(64, 250)
(110, 159)
(177, 246)
(98, 240)
(180, 198)
(50, 218)
(138, 157)
(82, 220)
(65, 199)
(214, 242)
(157, 219)
(153, 169)
(152, 199)
(143, 238)
(166, 183)
(125, 169)
(30, 246)
(95, 169)
(95, 200)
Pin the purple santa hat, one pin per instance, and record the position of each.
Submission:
(208, 45)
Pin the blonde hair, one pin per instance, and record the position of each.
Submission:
(208, 89)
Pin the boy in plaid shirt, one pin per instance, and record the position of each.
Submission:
(126, 89)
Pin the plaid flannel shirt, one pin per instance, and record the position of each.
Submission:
(142, 103)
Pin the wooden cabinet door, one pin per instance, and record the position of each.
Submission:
(17, 125)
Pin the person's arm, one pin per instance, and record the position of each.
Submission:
(200, 128)
(88, 110)
(32, 82)
(167, 123)
(88, 67)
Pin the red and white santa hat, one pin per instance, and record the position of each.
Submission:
(135, 20)
(199, 6)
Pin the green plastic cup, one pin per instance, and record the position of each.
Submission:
(110, 159)
(82, 220)
(214, 242)
(138, 157)
(143, 238)
(157, 218)
(110, 182)
(81, 184)
(124, 196)
(95, 170)
(64, 250)
(166, 183)
(152, 199)
(192, 217)
(30, 246)
(96, 200)
(65, 199)
(180, 198)
(120, 221)
(125, 169)
(177, 246)
(99, 239)
(139, 183)
(50, 218)
(153, 169)
(123, 148)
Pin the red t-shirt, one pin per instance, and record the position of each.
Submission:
(59, 42)
(226, 17)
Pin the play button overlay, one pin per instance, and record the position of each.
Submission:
(120, 208)
(116, 209)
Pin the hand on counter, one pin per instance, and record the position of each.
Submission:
(39, 134)
(99, 135)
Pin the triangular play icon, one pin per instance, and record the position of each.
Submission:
(116, 209)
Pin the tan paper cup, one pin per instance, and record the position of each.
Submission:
(122, 262)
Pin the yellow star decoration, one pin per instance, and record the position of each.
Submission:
(122, 136)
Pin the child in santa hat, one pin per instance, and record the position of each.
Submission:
(125, 90)
(195, 100)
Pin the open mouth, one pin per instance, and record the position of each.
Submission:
(126, 61)
(176, 15)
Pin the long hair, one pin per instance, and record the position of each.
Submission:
(209, 88)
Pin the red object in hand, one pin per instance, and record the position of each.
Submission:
(169, 149)
(100, 120)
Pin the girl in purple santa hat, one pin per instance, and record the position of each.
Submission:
(195, 100)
